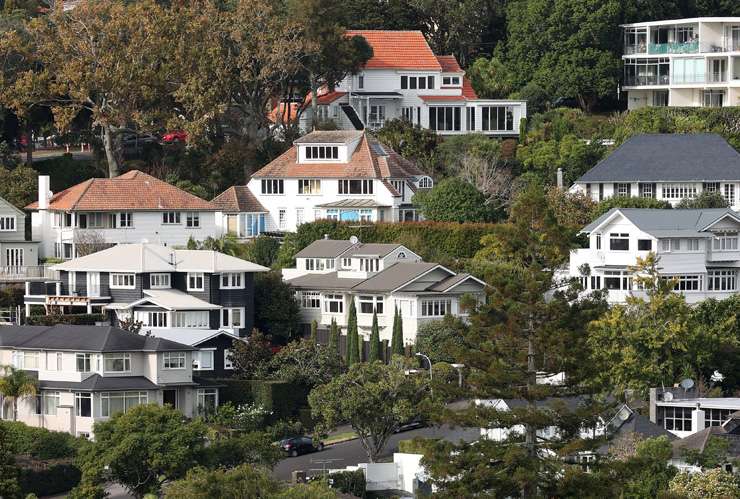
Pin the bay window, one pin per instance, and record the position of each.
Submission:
(725, 242)
(114, 402)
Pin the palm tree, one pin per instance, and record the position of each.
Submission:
(16, 384)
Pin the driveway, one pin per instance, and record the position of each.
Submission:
(351, 453)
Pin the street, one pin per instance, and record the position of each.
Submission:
(350, 453)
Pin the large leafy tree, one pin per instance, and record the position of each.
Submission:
(307, 363)
(15, 385)
(276, 310)
(453, 200)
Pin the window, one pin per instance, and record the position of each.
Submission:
(171, 217)
(159, 281)
(83, 405)
(451, 80)
(117, 362)
(7, 224)
(619, 242)
(470, 118)
(320, 152)
(430, 82)
(26, 360)
(369, 264)
(445, 118)
(207, 399)
(644, 244)
(715, 417)
(646, 190)
(228, 362)
(686, 282)
(714, 98)
(309, 299)
(407, 114)
(191, 319)
(598, 241)
(497, 118)
(679, 191)
(232, 317)
(667, 245)
(195, 281)
(404, 82)
(50, 403)
(660, 98)
(123, 281)
(332, 214)
(125, 220)
(255, 224)
(192, 219)
(692, 244)
(114, 402)
(729, 193)
(84, 362)
(14, 257)
(595, 282)
(334, 304)
(436, 308)
(622, 190)
(152, 319)
(272, 186)
(366, 215)
(299, 216)
(355, 187)
(315, 264)
(361, 82)
(54, 361)
(282, 219)
(426, 183)
(173, 360)
(711, 187)
(617, 280)
(232, 280)
(725, 242)
(722, 280)
(686, 70)
(203, 360)
(346, 263)
(677, 418)
(309, 186)
(370, 304)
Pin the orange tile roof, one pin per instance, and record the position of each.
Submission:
(398, 50)
(468, 91)
(444, 98)
(238, 199)
(289, 112)
(449, 64)
(132, 191)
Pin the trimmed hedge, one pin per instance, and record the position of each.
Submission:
(55, 479)
(442, 242)
(72, 319)
(283, 399)
(40, 443)
(349, 482)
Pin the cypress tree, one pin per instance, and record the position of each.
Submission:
(334, 336)
(374, 340)
(397, 339)
(314, 332)
(352, 336)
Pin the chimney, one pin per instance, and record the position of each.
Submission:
(697, 419)
(44, 192)
(560, 178)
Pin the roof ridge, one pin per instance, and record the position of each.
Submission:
(87, 187)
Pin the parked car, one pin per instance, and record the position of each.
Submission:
(413, 424)
(300, 445)
(175, 136)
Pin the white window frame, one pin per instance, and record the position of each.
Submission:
(679, 191)
(195, 319)
(282, 218)
(120, 280)
(228, 363)
(204, 394)
(160, 280)
(232, 280)
(195, 277)
(105, 397)
(619, 236)
(321, 153)
(54, 361)
(7, 224)
(330, 299)
(170, 218)
(310, 300)
(725, 242)
(50, 403)
(72, 282)
(173, 360)
(192, 220)
(272, 186)
(87, 361)
(435, 307)
(25, 359)
(157, 319)
(78, 398)
(426, 182)
(365, 187)
(125, 220)
(124, 357)
(200, 355)
(15, 257)
(721, 280)
(227, 317)
(377, 304)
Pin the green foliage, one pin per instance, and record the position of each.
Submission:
(720, 320)
(65, 171)
(73, 319)
(453, 200)
(9, 472)
(353, 338)
(646, 474)
(714, 455)
(306, 363)
(314, 331)
(18, 186)
(704, 200)
(276, 310)
(631, 202)
(11, 296)
(440, 339)
(412, 142)
(39, 443)
(491, 79)
(51, 480)
(416, 445)
(712, 484)
(334, 336)
(262, 250)
(374, 341)
(349, 482)
(251, 357)
(242, 417)
(537, 98)
(541, 158)
(243, 481)
(16, 384)
(397, 338)
(254, 448)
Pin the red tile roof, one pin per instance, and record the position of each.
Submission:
(238, 199)
(132, 191)
(398, 50)
(468, 90)
(449, 64)
(443, 98)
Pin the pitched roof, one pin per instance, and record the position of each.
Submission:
(329, 137)
(191, 336)
(467, 90)
(324, 248)
(145, 257)
(372, 249)
(329, 282)
(64, 337)
(668, 157)
(238, 199)
(449, 64)
(132, 191)
(97, 382)
(174, 299)
(398, 50)
(394, 276)
(667, 222)
(467, 93)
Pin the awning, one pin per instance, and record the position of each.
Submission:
(353, 203)
(384, 95)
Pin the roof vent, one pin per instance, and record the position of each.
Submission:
(354, 240)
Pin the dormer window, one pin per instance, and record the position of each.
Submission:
(453, 81)
(322, 152)
(426, 183)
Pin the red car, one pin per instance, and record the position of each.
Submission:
(175, 136)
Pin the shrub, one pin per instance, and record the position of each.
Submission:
(73, 319)
(349, 482)
(55, 479)
(280, 398)
(40, 443)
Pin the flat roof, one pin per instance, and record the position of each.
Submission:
(688, 20)
(704, 403)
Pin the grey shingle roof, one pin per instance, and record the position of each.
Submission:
(328, 282)
(324, 248)
(394, 276)
(64, 337)
(97, 382)
(668, 157)
(667, 222)
(329, 137)
(372, 249)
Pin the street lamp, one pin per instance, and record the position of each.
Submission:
(459, 368)
(431, 379)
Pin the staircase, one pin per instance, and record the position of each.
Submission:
(351, 114)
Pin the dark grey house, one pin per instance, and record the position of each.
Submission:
(668, 167)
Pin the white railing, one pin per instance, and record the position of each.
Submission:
(23, 272)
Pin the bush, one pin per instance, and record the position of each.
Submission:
(40, 443)
(55, 479)
(280, 398)
(416, 445)
(632, 202)
(349, 482)
(73, 319)
(65, 171)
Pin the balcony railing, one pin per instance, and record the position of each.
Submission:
(635, 49)
(25, 272)
(674, 48)
(717, 77)
(636, 81)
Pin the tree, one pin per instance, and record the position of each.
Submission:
(334, 334)
(314, 331)
(227, 244)
(397, 338)
(262, 250)
(712, 484)
(9, 472)
(704, 200)
(89, 241)
(490, 78)
(440, 339)
(276, 310)
(19, 186)
(353, 339)
(306, 363)
(253, 447)
(374, 398)
(251, 358)
(631, 202)
(143, 448)
(412, 142)
(374, 340)
(453, 200)
(16, 384)
(647, 473)
(714, 455)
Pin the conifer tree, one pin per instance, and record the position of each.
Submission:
(314, 332)
(397, 338)
(352, 336)
(374, 340)
(334, 336)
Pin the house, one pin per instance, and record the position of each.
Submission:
(337, 175)
(197, 292)
(668, 167)
(682, 62)
(89, 373)
(405, 79)
(131, 208)
(698, 442)
(241, 213)
(379, 278)
(628, 426)
(698, 248)
(19, 258)
(683, 412)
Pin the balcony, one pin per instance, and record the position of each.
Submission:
(635, 49)
(717, 77)
(674, 48)
(17, 273)
(638, 80)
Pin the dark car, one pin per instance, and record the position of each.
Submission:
(413, 424)
(300, 445)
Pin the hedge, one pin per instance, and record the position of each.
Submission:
(55, 479)
(441, 242)
(349, 482)
(40, 443)
(283, 399)
(73, 319)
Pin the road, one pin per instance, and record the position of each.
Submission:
(350, 453)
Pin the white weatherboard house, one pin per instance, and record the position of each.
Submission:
(668, 167)
(698, 248)
(89, 373)
(682, 62)
(337, 175)
(405, 79)
(131, 208)
(379, 278)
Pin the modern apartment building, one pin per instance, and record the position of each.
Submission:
(682, 62)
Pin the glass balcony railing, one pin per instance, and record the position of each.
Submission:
(635, 49)
(636, 81)
(674, 48)
(717, 77)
